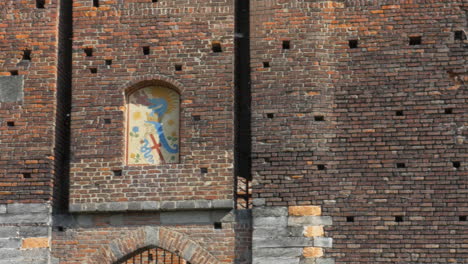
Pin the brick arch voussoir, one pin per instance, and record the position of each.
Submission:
(151, 79)
(161, 237)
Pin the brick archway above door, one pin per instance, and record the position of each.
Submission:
(160, 237)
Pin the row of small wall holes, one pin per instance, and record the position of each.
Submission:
(215, 47)
(456, 164)
(41, 3)
(416, 40)
(399, 219)
(96, 2)
(399, 165)
(354, 43)
(447, 111)
(106, 121)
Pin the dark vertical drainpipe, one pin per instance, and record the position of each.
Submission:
(242, 91)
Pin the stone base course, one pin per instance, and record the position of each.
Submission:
(25, 233)
(293, 235)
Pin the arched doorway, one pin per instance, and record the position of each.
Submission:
(151, 255)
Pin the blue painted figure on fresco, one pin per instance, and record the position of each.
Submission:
(159, 106)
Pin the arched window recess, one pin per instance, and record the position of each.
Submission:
(151, 255)
(153, 126)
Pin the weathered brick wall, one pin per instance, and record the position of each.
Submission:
(27, 106)
(393, 137)
(105, 238)
(177, 33)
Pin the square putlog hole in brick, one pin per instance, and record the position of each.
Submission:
(415, 40)
(203, 170)
(27, 55)
(270, 115)
(218, 225)
(462, 218)
(266, 64)
(350, 219)
(399, 113)
(14, 72)
(456, 164)
(286, 44)
(107, 121)
(108, 62)
(448, 111)
(216, 46)
(459, 35)
(353, 43)
(93, 70)
(27, 175)
(96, 3)
(10, 124)
(399, 219)
(321, 167)
(196, 118)
(319, 118)
(146, 50)
(40, 4)
(88, 52)
(178, 67)
(117, 172)
(401, 165)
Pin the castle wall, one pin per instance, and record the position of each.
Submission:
(176, 34)
(119, 200)
(28, 90)
(374, 134)
(105, 238)
(27, 100)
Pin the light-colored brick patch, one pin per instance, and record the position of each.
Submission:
(35, 242)
(305, 210)
(312, 252)
(313, 231)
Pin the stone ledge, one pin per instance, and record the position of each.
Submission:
(152, 206)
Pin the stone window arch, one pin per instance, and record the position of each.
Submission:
(152, 126)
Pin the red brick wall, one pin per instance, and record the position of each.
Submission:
(177, 33)
(81, 245)
(27, 147)
(361, 140)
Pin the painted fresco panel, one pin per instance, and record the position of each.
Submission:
(153, 126)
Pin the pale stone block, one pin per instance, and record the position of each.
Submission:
(314, 231)
(313, 252)
(308, 210)
(35, 242)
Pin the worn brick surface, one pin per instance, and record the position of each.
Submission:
(211, 244)
(177, 33)
(347, 163)
(27, 147)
